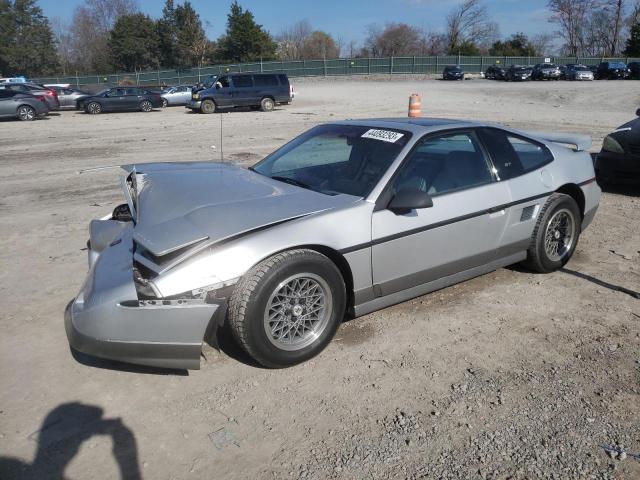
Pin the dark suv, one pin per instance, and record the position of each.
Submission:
(611, 71)
(634, 70)
(545, 71)
(257, 90)
(452, 72)
(494, 73)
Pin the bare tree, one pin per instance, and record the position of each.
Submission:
(64, 44)
(617, 8)
(469, 22)
(396, 39)
(319, 45)
(572, 17)
(291, 40)
(90, 29)
(541, 43)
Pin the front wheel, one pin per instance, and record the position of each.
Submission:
(26, 113)
(287, 308)
(146, 106)
(165, 103)
(555, 234)
(208, 106)
(94, 108)
(267, 104)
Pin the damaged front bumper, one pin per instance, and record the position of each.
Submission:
(108, 320)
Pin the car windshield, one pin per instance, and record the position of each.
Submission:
(581, 69)
(335, 159)
(617, 65)
(453, 69)
(102, 92)
(549, 65)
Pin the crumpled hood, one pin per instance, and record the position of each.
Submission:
(180, 204)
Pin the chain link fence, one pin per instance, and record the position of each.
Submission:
(316, 68)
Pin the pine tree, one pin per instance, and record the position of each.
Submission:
(26, 41)
(192, 44)
(245, 40)
(133, 42)
(167, 35)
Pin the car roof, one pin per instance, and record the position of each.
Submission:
(414, 125)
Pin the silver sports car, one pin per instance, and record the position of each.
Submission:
(345, 219)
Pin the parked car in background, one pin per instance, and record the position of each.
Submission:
(452, 72)
(120, 99)
(545, 71)
(347, 218)
(619, 158)
(494, 72)
(611, 71)
(68, 96)
(579, 72)
(258, 91)
(22, 106)
(634, 70)
(49, 94)
(178, 95)
(518, 73)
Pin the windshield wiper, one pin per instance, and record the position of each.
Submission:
(292, 181)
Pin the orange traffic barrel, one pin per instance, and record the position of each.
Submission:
(415, 104)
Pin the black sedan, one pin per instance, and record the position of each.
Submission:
(619, 160)
(494, 73)
(452, 72)
(120, 99)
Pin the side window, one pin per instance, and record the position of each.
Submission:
(531, 155)
(224, 81)
(242, 81)
(265, 80)
(283, 79)
(513, 155)
(6, 94)
(444, 163)
(67, 91)
(133, 91)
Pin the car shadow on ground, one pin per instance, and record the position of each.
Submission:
(221, 339)
(63, 432)
(601, 283)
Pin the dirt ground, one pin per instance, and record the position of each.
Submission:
(510, 375)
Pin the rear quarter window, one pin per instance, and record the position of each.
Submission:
(513, 155)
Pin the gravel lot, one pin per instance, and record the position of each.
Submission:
(510, 375)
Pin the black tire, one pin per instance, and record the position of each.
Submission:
(146, 106)
(538, 257)
(93, 108)
(26, 113)
(254, 295)
(267, 104)
(165, 103)
(208, 106)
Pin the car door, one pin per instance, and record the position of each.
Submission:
(133, 97)
(462, 229)
(7, 103)
(243, 91)
(224, 92)
(183, 95)
(521, 165)
(114, 99)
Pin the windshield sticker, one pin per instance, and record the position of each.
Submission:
(384, 135)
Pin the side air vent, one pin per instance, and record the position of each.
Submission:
(527, 213)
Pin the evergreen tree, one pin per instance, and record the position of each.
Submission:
(167, 35)
(192, 45)
(245, 40)
(632, 48)
(133, 42)
(26, 41)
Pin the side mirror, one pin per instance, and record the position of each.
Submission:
(638, 112)
(409, 199)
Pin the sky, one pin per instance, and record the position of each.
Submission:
(345, 19)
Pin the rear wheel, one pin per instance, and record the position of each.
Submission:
(287, 308)
(555, 235)
(267, 104)
(26, 113)
(208, 106)
(146, 106)
(94, 108)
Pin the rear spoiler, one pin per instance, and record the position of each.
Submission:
(581, 142)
